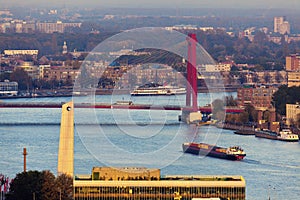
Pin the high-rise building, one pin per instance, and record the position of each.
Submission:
(292, 62)
(281, 25)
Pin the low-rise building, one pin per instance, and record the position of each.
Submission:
(8, 88)
(60, 73)
(293, 79)
(136, 183)
(218, 68)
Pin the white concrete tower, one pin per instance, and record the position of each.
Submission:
(65, 163)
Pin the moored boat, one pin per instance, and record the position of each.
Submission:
(230, 153)
(287, 135)
(266, 134)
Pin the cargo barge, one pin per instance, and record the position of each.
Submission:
(230, 153)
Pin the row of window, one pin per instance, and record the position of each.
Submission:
(83, 193)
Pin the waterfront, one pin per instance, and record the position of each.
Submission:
(153, 138)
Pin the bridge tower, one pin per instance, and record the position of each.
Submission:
(65, 163)
(190, 112)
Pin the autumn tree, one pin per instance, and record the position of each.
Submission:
(40, 186)
(22, 78)
(64, 185)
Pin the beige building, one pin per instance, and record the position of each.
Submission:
(125, 173)
(21, 52)
(60, 73)
(292, 112)
(281, 25)
(51, 27)
(31, 69)
(293, 79)
(292, 62)
(218, 68)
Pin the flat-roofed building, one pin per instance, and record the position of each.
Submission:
(293, 79)
(166, 187)
(281, 25)
(218, 68)
(292, 113)
(52, 27)
(21, 52)
(8, 88)
(259, 97)
(292, 62)
(60, 73)
(125, 173)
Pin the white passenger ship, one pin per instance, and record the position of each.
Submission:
(287, 135)
(153, 89)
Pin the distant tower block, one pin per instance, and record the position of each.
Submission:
(65, 163)
(65, 48)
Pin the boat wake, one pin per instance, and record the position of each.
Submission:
(250, 161)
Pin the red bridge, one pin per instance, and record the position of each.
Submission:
(205, 109)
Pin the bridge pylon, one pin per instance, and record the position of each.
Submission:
(190, 113)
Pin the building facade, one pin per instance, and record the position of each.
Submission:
(292, 62)
(293, 79)
(164, 187)
(52, 27)
(259, 97)
(292, 113)
(21, 52)
(281, 25)
(8, 88)
(60, 73)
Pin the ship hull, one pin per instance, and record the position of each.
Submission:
(211, 151)
(266, 136)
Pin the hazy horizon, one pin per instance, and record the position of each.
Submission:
(254, 4)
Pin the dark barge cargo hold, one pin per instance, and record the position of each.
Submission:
(231, 153)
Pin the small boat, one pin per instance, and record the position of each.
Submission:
(153, 89)
(230, 153)
(287, 135)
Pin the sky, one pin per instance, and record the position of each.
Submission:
(264, 4)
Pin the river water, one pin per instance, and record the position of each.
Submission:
(149, 138)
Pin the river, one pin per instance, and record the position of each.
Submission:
(149, 138)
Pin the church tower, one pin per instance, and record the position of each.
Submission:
(65, 48)
(65, 163)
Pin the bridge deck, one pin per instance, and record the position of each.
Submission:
(205, 109)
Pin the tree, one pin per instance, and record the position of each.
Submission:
(252, 113)
(242, 78)
(285, 95)
(230, 101)
(22, 78)
(218, 109)
(278, 77)
(40, 186)
(26, 185)
(64, 185)
(48, 189)
(267, 77)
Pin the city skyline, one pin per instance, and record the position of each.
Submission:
(270, 4)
